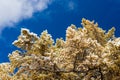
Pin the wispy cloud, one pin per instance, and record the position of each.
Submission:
(71, 5)
(12, 11)
(68, 5)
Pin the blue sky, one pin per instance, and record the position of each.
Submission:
(53, 15)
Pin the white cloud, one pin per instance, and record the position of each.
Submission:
(12, 11)
(68, 5)
(71, 5)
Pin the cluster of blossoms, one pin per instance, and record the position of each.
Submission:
(87, 53)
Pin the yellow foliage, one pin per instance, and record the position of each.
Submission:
(88, 53)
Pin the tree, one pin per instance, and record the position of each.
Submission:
(87, 53)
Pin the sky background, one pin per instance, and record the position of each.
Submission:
(53, 15)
